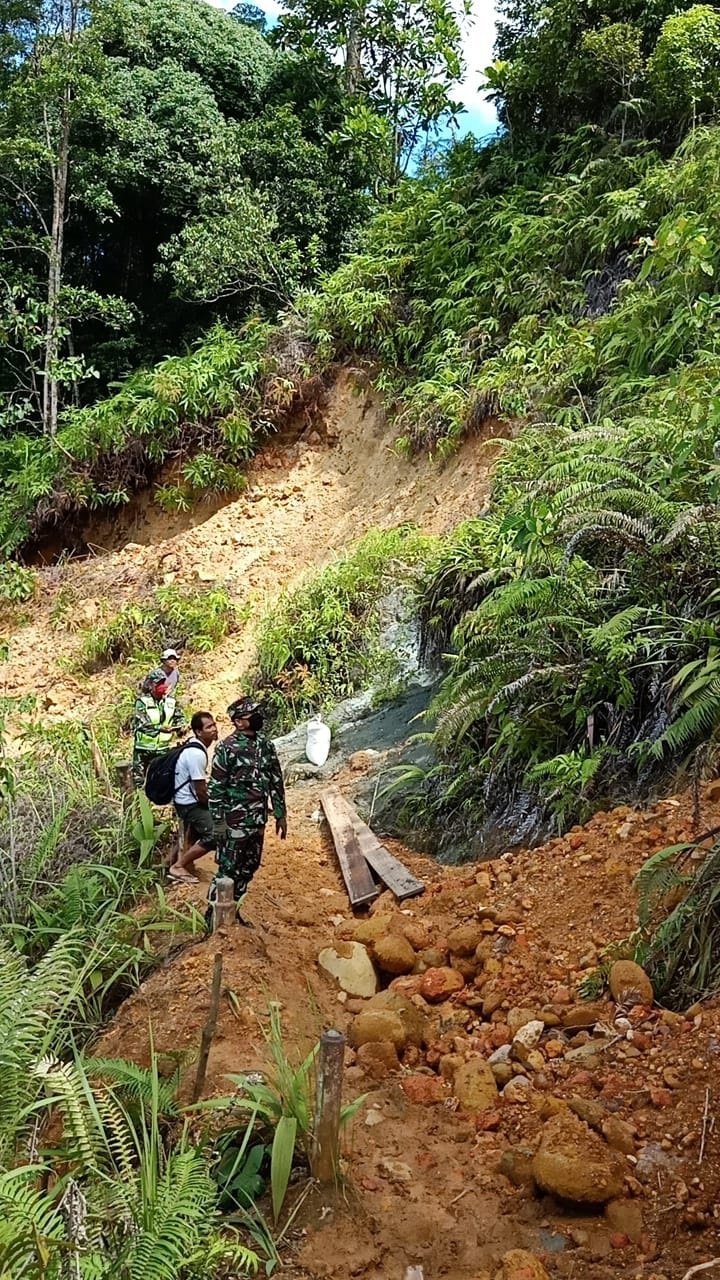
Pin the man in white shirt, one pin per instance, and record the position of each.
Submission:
(191, 796)
(170, 663)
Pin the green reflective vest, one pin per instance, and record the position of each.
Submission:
(155, 730)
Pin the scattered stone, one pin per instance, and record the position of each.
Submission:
(450, 1064)
(574, 1164)
(424, 1091)
(502, 1054)
(474, 1086)
(412, 1019)
(439, 984)
(517, 1089)
(586, 1052)
(627, 978)
(375, 1025)
(393, 954)
(464, 939)
(378, 1059)
(465, 965)
(589, 1110)
(408, 984)
(395, 1170)
(585, 1016)
(491, 1002)
(529, 1034)
(430, 958)
(373, 927)
(618, 1135)
(516, 1164)
(625, 1217)
(518, 1018)
(351, 965)
(373, 1117)
(502, 1072)
(672, 1078)
(518, 1264)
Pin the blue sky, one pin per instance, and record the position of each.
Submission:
(479, 117)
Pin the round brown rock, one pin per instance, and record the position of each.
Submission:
(398, 1004)
(625, 977)
(464, 939)
(430, 958)
(373, 1025)
(378, 1059)
(368, 930)
(574, 1164)
(393, 954)
(439, 984)
(475, 1086)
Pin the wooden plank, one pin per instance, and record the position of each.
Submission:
(355, 871)
(390, 869)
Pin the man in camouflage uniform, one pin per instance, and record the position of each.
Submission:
(246, 780)
(157, 723)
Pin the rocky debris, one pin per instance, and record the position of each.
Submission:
(518, 1018)
(475, 1086)
(626, 1218)
(378, 1058)
(411, 1017)
(529, 1035)
(582, 1017)
(424, 1091)
(618, 1134)
(430, 958)
(516, 1165)
(465, 939)
(518, 1264)
(374, 1026)
(393, 954)
(574, 1164)
(627, 981)
(351, 965)
(439, 984)
(371, 928)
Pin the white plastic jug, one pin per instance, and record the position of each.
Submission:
(317, 747)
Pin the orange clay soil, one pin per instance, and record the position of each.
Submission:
(423, 1184)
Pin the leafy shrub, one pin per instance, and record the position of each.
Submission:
(322, 641)
(196, 621)
(17, 584)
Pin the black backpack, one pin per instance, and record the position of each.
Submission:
(160, 777)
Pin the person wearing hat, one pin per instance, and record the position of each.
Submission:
(157, 720)
(170, 663)
(245, 783)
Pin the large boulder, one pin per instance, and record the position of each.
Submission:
(393, 954)
(464, 939)
(574, 1164)
(398, 1004)
(439, 984)
(374, 1026)
(371, 928)
(378, 1058)
(628, 981)
(350, 963)
(475, 1086)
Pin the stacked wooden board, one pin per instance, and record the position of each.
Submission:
(363, 859)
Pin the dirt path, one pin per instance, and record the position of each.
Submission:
(424, 1184)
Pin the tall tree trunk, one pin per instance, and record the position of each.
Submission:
(59, 171)
(353, 59)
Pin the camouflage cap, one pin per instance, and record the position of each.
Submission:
(242, 707)
(156, 677)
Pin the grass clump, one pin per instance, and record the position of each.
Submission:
(323, 641)
(192, 620)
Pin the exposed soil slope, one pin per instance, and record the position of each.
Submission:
(306, 501)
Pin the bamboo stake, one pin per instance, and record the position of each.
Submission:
(209, 1028)
(326, 1148)
(224, 904)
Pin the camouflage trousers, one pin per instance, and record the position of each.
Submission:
(238, 857)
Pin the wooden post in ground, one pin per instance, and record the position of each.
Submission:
(224, 905)
(326, 1147)
(123, 773)
(209, 1028)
